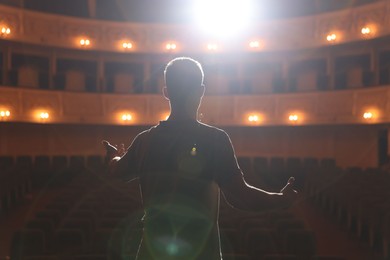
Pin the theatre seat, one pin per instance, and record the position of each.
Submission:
(235, 257)
(68, 240)
(95, 164)
(42, 224)
(230, 241)
(41, 171)
(27, 242)
(260, 165)
(301, 243)
(260, 242)
(6, 163)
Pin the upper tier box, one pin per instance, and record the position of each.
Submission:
(348, 25)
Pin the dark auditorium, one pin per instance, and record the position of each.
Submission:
(195, 130)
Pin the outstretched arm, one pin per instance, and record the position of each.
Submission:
(246, 197)
(119, 162)
(236, 191)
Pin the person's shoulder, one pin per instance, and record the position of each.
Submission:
(213, 130)
(145, 134)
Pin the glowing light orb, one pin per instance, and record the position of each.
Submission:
(223, 17)
(44, 115)
(254, 44)
(85, 42)
(366, 30)
(367, 115)
(253, 118)
(5, 30)
(331, 37)
(127, 117)
(127, 45)
(5, 113)
(293, 118)
(212, 47)
(170, 46)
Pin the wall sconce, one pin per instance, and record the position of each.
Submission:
(4, 114)
(85, 42)
(5, 31)
(127, 45)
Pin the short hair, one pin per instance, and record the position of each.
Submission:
(182, 75)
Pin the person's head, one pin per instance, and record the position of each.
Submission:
(184, 83)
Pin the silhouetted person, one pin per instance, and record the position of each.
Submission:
(182, 165)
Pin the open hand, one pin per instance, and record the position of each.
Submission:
(289, 192)
(111, 150)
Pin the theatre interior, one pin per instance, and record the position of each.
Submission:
(302, 87)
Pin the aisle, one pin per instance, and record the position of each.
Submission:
(331, 240)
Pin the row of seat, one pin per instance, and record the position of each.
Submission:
(47, 163)
(275, 171)
(24, 173)
(18, 174)
(91, 212)
(96, 217)
(87, 215)
(359, 200)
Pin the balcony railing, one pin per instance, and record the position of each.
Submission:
(361, 106)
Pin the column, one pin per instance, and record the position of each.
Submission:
(147, 87)
(100, 81)
(374, 66)
(92, 8)
(388, 147)
(241, 80)
(7, 64)
(330, 70)
(285, 76)
(52, 70)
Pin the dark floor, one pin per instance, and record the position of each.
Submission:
(331, 239)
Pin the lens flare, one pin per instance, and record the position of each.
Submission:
(223, 17)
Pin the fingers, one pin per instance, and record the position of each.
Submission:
(289, 184)
(105, 143)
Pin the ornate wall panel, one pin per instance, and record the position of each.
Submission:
(333, 107)
(10, 100)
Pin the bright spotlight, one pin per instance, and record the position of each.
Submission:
(223, 17)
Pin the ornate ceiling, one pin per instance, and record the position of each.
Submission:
(175, 11)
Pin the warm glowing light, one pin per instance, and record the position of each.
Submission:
(127, 117)
(223, 17)
(331, 37)
(253, 118)
(212, 46)
(5, 31)
(85, 42)
(367, 115)
(5, 113)
(254, 44)
(293, 117)
(44, 115)
(366, 30)
(127, 45)
(170, 46)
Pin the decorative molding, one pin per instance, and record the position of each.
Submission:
(316, 108)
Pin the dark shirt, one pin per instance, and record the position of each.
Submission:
(180, 166)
